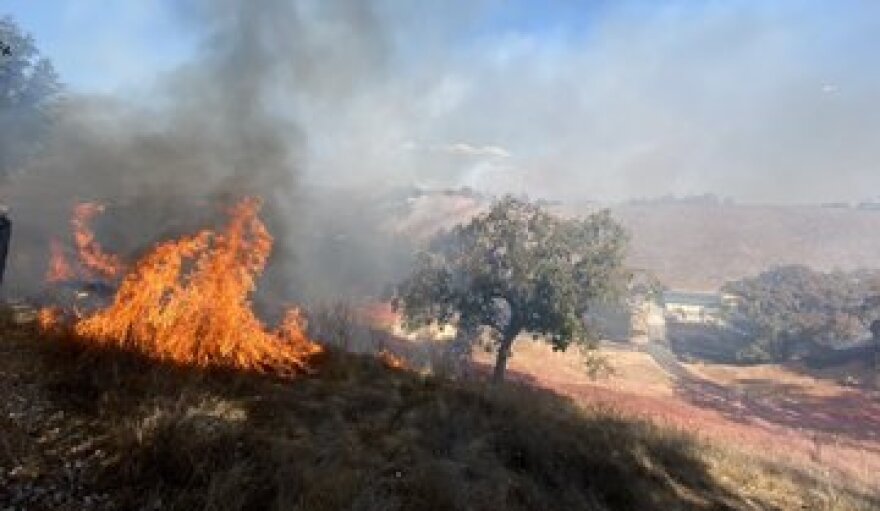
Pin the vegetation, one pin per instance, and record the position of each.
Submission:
(108, 429)
(27, 83)
(517, 268)
(794, 311)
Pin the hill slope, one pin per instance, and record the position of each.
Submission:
(701, 246)
(85, 429)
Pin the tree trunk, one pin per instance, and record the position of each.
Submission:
(503, 355)
(5, 231)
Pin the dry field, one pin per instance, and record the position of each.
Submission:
(770, 411)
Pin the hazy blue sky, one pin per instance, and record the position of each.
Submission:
(104, 44)
(761, 100)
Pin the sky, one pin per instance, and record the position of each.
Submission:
(104, 45)
(767, 101)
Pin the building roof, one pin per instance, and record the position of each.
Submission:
(696, 298)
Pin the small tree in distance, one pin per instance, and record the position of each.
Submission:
(794, 311)
(514, 269)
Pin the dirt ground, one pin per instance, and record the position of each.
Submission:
(769, 410)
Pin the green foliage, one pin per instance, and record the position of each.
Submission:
(27, 83)
(518, 268)
(645, 286)
(793, 308)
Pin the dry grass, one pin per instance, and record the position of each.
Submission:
(361, 436)
(769, 412)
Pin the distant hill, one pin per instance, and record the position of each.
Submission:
(345, 241)
(700, 246)
(694, 244)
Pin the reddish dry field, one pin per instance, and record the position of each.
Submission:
(766, 410)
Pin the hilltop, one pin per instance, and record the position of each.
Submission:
(701, 246)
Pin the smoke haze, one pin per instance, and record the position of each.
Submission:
(762, 102)
(222, 126)
(607, 101)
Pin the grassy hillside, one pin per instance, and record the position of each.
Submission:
(87, 429)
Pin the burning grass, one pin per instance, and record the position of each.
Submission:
(93, 258)
(59, 269)
(187, 301)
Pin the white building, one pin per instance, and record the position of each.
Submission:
(695, 306)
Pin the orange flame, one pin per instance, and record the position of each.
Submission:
(49, 318)
(391, 361)
(91, 255)
(59, 269)
(188, 302)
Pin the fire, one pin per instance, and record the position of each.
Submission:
(188, 301)
(48, 318)
(59, 269)
(390, 360)
(91, 255)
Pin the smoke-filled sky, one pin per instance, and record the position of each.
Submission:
(759, 100)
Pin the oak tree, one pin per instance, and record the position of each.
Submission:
(517, 269)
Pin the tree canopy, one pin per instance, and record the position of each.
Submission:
(791, 308)
(27, 83)
(517, 268)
